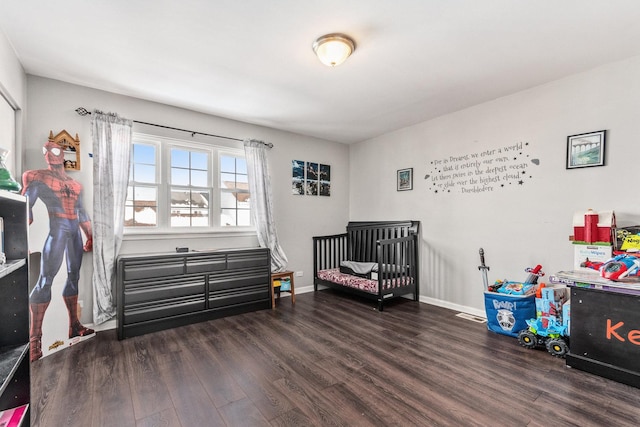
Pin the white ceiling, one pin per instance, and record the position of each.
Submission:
(251, 60)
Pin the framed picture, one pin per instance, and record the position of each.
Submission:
(310, 178)
(311, 188)
(297, 177)
(325, 180)
(405, 179)
(586, 149)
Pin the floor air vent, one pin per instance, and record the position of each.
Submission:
(471, 317)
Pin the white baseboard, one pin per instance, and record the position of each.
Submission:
(304, 289)
(426, 300)
(455, 307)
(109, 324)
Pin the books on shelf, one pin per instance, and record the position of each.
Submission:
(13, 417)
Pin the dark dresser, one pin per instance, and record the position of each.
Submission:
(162, 291)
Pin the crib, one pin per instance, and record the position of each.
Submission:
(376, 260)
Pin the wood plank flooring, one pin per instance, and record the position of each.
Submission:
(331, 360)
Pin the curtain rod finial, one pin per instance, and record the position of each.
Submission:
(82, 111)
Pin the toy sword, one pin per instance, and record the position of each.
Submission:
(482, 267)
(534, 273)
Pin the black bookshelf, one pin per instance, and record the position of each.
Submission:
(14, 312)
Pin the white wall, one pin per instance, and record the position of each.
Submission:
(51, 107)
(519, 225)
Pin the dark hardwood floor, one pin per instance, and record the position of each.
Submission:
(330, 360)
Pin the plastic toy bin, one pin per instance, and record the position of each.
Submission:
(507, 314)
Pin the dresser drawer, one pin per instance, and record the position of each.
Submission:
(206, 263)
(161, 309)
(238, 279)
(163, 289)
(248, 259)
(149, 268)
(247, 294)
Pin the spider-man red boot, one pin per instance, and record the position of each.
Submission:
(76, 329)
(36, 310)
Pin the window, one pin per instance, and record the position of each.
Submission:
(202, 187)
(234, 191)
(190, 189)
(141, 207)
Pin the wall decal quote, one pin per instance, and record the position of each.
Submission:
(481, 171)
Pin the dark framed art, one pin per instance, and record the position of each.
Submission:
(586, 149)
(297, 177)
(310, 178)
(311, 184)
(325, 180)
(405, 179)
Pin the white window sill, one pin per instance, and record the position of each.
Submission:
(187, 233)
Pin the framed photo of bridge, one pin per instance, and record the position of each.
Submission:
(405, 179)
(586, 149)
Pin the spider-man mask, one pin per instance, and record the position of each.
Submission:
(53, 154)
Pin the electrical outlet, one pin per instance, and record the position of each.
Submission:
(299, 273)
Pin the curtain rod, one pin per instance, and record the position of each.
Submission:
(84, 112)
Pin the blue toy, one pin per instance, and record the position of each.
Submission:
(620, 267)
(553, 336)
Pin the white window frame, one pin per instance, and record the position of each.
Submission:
(229, 153)
(163, 183)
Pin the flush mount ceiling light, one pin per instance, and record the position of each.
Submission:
(333, 49)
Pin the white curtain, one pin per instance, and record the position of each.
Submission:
(261, 202)
(111, 150)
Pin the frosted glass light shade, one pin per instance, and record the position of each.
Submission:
(333, 49)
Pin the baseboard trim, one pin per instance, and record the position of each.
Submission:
(455, 307)
(109, 324)
(426, 300)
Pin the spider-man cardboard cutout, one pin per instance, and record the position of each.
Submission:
(68, 221)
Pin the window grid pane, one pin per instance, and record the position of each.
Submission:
(143, 164)
(189, 208)
(141, 207)
(234, 191)
(189, 168)
(189, 204)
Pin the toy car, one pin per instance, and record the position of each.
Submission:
(620, 266)
(552, 337)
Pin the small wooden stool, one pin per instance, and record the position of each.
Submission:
(274, 279)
